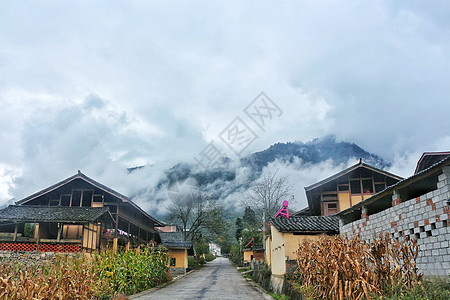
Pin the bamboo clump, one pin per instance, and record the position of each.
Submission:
(349, 268)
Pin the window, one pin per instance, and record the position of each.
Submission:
(379, 187)
(330, 208)
(65, 200)
(367, 186)
(173, 261)
(355, 187)
(343, 187)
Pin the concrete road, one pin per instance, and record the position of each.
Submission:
(218, 279)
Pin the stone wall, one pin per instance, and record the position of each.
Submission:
(28, 258)
(274, 283)
(176, 271)
(425, 218)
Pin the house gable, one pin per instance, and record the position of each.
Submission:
(346, 188)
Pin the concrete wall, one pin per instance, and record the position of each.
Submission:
(278, 266)
(258, 255)
(425, 218)
(181, 257)
(283, 247)
(248, 255)
(268, 252)
(292, 243)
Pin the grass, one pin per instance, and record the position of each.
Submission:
(436, 289)
(278, 297)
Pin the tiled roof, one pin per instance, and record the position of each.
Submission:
(63, 214)
(430, 158)
(180, 244)
(307, 224)
(255, 248)
(174, 240)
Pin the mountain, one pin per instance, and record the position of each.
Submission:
(233, 179)
(313, 152)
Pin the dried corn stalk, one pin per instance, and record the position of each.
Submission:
(349, 268)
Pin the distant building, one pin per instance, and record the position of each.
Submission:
(167, 228)
(214, 249)
(253, 251)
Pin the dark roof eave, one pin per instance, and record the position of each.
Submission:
(45, 221)
(178, 247)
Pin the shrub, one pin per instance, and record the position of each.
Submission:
(103, 276)
(196, 262)
(133, 271)
(210, 257)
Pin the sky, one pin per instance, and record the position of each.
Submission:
(106, 85)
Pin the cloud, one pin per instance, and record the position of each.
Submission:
(102, 87)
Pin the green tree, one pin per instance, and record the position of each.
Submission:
(239, 228)
(249, 217)
(249, 233)
(268, 195)
(201, 247)
(225, 242)
(197, 214)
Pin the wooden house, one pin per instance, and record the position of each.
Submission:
(179, 250)
(347, 188)
(76, 214)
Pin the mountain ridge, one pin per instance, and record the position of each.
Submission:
(229, 182)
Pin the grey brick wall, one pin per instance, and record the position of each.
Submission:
(425, 218)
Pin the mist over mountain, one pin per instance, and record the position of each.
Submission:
(302, 163)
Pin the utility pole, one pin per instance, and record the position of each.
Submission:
(264, 230)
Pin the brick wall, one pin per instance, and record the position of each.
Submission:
(425, 218)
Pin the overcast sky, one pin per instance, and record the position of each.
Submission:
(105, 85)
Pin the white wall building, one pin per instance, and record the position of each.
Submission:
(214, 249)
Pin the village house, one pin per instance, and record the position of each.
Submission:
(252, 251)
(414, 208)
(77, 214)
(287, 233)
(214, 249)
(347, 188)
(178, 249)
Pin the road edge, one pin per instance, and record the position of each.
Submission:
(149, 291)
(256, 286)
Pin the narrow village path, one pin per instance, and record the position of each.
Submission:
(218, 279)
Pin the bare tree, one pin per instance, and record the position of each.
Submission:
(197, 213)
(268, 195)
